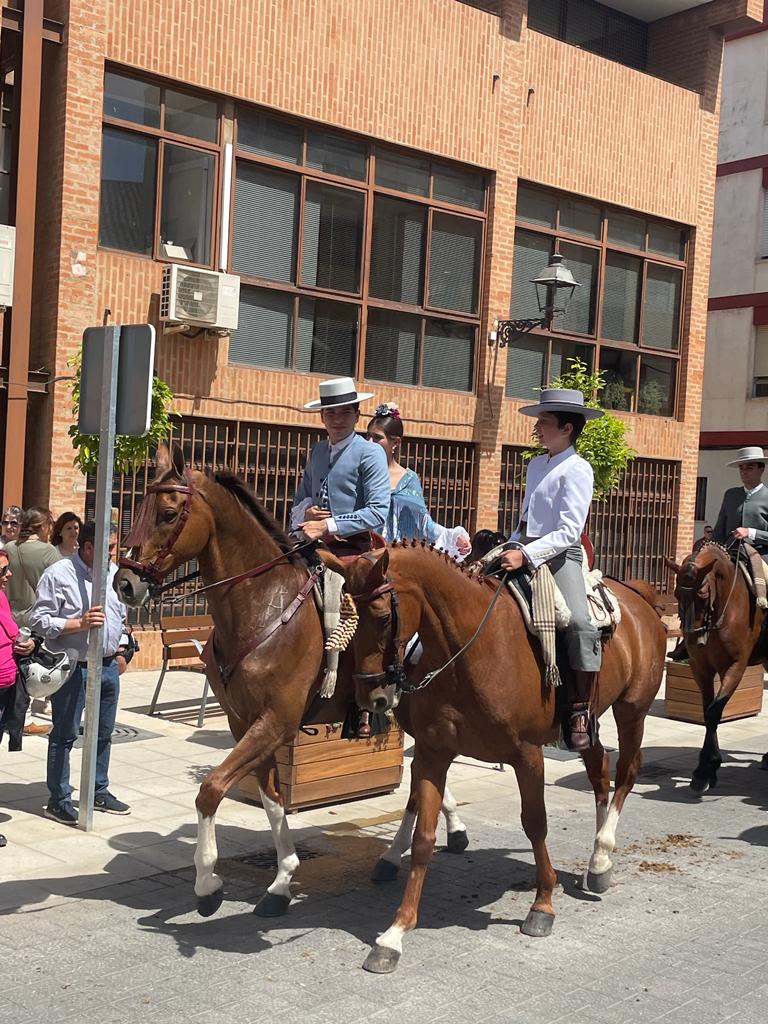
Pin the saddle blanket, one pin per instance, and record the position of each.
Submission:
(544, 609)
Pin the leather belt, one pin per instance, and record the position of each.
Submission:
(104, 661)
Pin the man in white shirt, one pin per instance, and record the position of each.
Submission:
(558, 494)
(744, 512)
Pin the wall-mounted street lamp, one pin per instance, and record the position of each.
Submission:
(555, 286)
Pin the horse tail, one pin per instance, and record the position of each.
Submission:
(647, 592)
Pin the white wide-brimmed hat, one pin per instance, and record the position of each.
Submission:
(338, 391)
(752, 453)
(561, 400)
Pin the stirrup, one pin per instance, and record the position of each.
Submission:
(581, 739)
(364, 725)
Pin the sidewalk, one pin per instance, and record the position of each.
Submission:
(158, 773)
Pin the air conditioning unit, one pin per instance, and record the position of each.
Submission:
(201, 298)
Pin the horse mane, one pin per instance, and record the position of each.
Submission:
(410, 544)
(243, 494)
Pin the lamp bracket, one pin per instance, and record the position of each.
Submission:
(508, 331)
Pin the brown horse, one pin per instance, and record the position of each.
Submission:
(268, 636)
(490, 704)
(722, 626)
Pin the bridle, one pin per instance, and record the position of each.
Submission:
(394, 673)
(151, 573)
(688, 605)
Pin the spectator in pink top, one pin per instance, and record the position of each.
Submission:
(13, 695)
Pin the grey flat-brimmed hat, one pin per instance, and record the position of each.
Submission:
(752, 453)
(561, 400)
(338, 391)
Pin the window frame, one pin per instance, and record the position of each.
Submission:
(363, 300)
(597, 340)
(163, 138)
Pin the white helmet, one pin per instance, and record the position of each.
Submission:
(47, 671)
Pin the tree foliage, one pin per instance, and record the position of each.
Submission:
(602, 442)
(129, 451)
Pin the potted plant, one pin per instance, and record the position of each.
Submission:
(651, 398)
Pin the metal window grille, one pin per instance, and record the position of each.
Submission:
(700, 512)
(632, 530)
(593, 27)
(271, 459)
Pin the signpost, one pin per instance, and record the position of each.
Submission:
(115, 398)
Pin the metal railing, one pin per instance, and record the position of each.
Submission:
(271, 459)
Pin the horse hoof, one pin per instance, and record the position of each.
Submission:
(599, 883)
(272, 904)
(700, 786)
(538, 924)
(457, 841)
(381, 960)
(208, 905)
(384, 871)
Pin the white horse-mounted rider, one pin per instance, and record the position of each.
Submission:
(558, 493)
(744, 512)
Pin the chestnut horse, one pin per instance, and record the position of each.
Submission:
(269, 634)
(723, 630)
(491, 704)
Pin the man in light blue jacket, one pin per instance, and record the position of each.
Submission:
(345, 491)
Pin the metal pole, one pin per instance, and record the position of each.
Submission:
(100, 574)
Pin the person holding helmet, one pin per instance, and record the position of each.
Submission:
(63, 615)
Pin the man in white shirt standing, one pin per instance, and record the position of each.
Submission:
(744, 512)
(63, 615)
(558, 493)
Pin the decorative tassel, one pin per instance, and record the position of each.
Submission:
(338, 640)
(553, 675)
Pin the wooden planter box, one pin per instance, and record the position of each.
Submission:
(325, 769)
(683, 700)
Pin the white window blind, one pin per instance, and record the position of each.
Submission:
(764, 233)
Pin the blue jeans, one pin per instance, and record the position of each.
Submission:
(67, 711)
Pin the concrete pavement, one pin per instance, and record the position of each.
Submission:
(102, 926)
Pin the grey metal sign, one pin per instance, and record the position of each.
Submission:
(134, 378)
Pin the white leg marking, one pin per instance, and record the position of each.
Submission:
(206, 853)
(402, 841)
(287, 860)
(452, 820)
(605, 843)
(392, 938)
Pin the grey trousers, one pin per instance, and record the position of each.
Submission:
(582, 638)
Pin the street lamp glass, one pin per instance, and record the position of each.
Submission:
(554, 287)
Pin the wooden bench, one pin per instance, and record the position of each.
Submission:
(183, 637)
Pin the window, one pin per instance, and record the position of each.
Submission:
(354, 258)
(159, 147)
(700, 505)
(624, 317)
(760, 364)
(593, 27)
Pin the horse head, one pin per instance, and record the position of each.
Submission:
(170, 529)
(386, 622)
(696, 588)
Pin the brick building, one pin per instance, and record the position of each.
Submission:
(385, 177)
(735, 398)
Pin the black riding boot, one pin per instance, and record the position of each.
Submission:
(582, 726)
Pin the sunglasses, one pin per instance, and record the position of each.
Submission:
(4, 570)
(10, 522)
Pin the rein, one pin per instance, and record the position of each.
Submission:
(395, 672)
(708, 625)
(151, 573)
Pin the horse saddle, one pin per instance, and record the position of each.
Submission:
(604, 607)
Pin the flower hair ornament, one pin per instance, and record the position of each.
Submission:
(387, 409)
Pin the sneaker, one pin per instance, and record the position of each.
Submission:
(63, 813)
(33, 729)
(110, 804)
